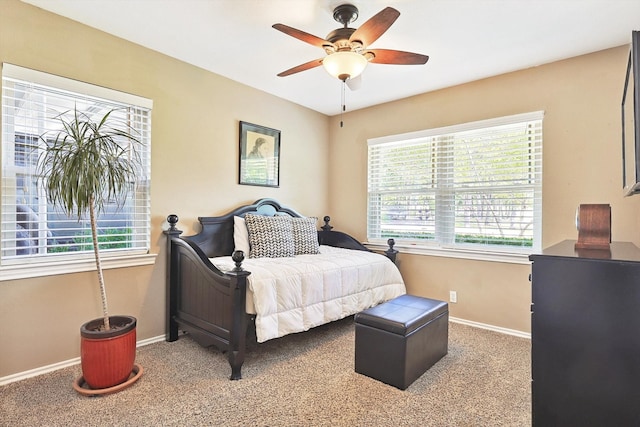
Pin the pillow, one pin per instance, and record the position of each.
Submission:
(240, 235)
(305, 235)
(270, 236)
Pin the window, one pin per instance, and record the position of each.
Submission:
(475, 186)
(33, 230)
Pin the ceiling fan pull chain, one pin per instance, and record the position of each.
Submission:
(344, 83)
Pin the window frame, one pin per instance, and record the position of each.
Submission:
(435, 247)
(30, 266)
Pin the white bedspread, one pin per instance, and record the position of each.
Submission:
(297, 293)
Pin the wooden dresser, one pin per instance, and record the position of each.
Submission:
(585, 336)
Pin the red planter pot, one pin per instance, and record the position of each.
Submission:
(107, 357)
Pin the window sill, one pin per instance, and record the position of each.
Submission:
(478, 255)
(25, 271)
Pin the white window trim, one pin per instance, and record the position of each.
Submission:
(516, 118)
(512, 255)
(87, 263)
(51, 80)
(27, 271)
(477, 255)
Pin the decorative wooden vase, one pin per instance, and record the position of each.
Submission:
(108, 357)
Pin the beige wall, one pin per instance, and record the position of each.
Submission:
(194, 172)
(581, 164)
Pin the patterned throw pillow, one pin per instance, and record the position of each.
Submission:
(270, 236)
(305, 235)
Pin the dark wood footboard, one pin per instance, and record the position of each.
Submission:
(210, 304)
(204, 301)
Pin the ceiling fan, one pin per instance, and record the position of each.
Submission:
(347, 48)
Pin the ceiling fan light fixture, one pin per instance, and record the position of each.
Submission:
(344, 65)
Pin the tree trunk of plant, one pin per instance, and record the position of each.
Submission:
(96, 252)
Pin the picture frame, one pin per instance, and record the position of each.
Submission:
(259, 155)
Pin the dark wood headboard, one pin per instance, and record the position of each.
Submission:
(216, 236)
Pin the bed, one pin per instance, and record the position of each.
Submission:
(219, 295)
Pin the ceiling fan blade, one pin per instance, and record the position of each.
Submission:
(354, 83)
(375, 26)
(302, 67)
(387, 56)
(301, 35)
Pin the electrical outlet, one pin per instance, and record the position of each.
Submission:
(453, 296)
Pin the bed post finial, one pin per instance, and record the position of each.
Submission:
(172, 220)
(326, 226)
(391, 253)
(238, 257)
(172, 231)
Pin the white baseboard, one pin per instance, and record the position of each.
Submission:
(152, 340)
(64, 364)
(491, 327)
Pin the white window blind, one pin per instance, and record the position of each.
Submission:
(34, 230)
(473, 186)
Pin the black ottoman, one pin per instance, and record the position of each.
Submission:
(397, 341)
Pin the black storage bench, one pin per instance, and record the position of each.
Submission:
(397, 341)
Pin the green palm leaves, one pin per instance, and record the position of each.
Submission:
(88, 164)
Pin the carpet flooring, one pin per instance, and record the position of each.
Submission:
(305, 379)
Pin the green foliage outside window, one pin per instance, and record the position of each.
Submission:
(110, 238)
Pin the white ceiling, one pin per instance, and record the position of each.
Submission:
(466, 39)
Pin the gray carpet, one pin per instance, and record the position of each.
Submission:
(301, 380)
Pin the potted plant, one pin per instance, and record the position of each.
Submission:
(85, 165)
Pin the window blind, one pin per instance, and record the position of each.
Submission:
(474, 185)
(33, 230)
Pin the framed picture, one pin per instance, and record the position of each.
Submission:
(259, 155)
